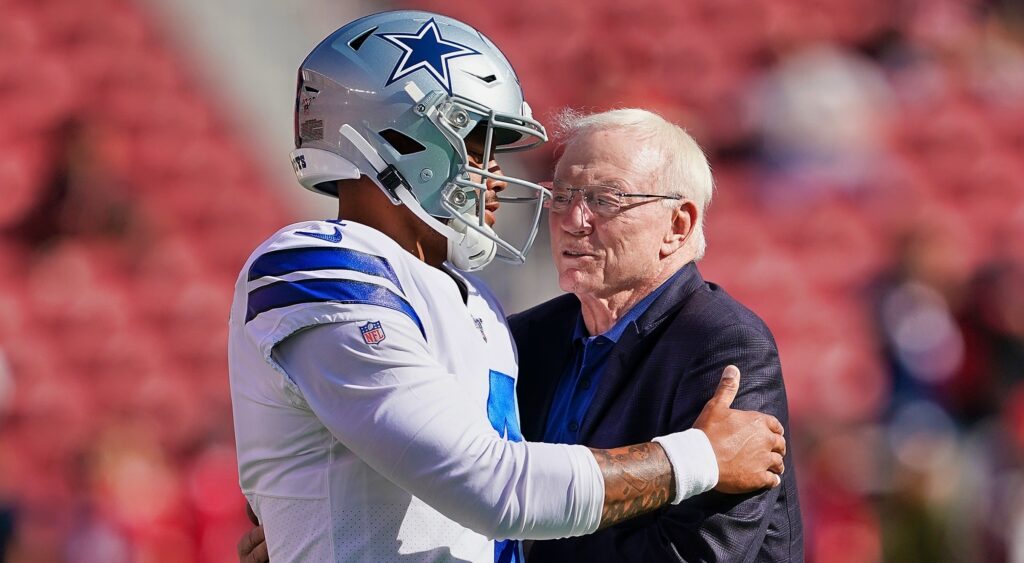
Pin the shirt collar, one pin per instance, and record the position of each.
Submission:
(615, 332)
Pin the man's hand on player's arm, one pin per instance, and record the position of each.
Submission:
(252, 547)
(748, 448)
(749, 445)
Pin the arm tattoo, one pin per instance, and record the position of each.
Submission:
(637, 480)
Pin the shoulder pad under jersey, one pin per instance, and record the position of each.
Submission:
(322, 272)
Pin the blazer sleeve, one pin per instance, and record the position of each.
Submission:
(716, 526)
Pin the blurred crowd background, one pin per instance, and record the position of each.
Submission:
(869, 161)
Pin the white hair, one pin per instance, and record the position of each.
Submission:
(686, 169)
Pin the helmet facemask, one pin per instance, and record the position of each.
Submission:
(464, 198)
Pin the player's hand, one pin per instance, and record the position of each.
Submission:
(252, 547)
(748, 445)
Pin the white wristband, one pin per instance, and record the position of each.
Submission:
(693, 462)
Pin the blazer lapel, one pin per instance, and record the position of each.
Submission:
(549, 349)
(625, 357)
(675, 296)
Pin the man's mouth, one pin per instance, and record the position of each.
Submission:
(575, 253)
(490, 208)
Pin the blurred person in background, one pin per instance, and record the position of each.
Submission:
(801, 161)
(6, 528)
(81, 198)
(918, 303)
(373, 383)
(6, 502)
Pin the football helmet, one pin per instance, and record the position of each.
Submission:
(394, 96)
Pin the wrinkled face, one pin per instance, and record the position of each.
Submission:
(602, 256)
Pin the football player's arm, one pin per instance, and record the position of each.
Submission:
(747, 447)
(397, 409)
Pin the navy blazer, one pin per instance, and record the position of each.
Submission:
(656, 381)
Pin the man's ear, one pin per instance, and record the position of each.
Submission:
(684, 219)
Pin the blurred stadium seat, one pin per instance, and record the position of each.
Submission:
(116, 283)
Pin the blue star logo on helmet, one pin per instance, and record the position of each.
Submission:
(426, 50)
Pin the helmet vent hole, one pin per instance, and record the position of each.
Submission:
(358, 40)
(401, 142)
(486, 79)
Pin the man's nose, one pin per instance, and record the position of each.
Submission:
(492, 183)
(578, 218)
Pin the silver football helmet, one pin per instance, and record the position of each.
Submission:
(394, 96)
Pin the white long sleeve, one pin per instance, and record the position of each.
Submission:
(397, 409)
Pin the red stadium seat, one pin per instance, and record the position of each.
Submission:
(837, 248)
(103, 337)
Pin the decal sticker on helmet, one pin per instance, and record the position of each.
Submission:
(312, 129)
(427, 50)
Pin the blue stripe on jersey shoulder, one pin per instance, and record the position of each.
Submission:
(288, 260)
(284, 294)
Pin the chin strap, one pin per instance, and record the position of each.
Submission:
(474, 250)
(468, 249)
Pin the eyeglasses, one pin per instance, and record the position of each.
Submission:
(606, 201)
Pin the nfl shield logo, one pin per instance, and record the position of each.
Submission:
(372, 332)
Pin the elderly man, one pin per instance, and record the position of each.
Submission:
(638, 346)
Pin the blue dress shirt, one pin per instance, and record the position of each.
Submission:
(576, 387)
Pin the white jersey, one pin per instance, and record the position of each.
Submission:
(375, 414)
